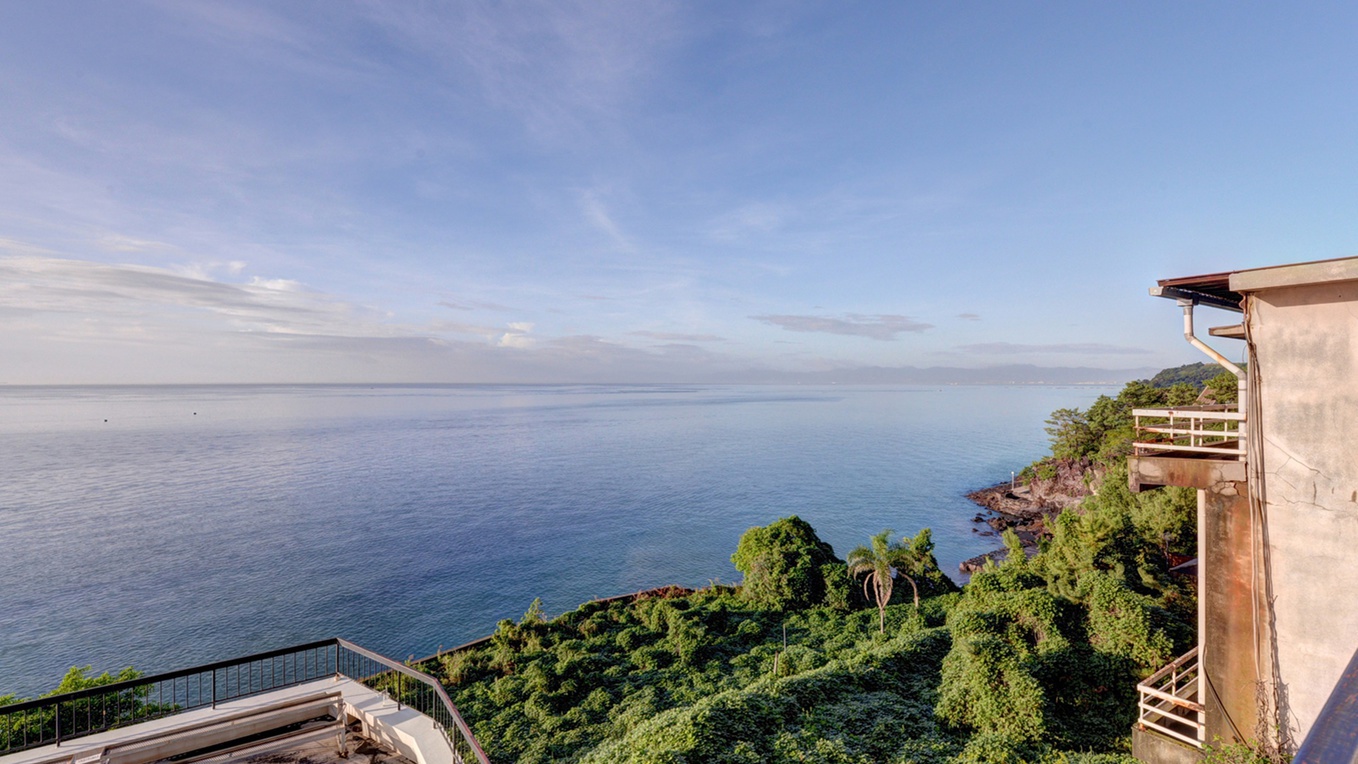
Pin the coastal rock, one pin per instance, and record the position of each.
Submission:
(999, 555)
(1026, 508)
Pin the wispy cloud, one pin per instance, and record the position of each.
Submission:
(678, 337)
(969, 316)
(118, 243)
(755, 218)
(472, 305)
(877, 327)
(1071, 348)
(598, 216)
(31, 285)
(565, 69)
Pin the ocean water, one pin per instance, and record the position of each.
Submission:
(163, 527)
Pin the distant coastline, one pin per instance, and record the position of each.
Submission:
(1008, 374)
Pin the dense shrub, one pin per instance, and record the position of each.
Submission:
(783, 564)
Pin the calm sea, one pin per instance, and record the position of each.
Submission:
(164, 527)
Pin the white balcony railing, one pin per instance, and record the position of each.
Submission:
(1216, 430)
(1170, 703)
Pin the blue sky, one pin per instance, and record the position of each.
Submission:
(544, 192)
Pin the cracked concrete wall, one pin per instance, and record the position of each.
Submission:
(1226, 612)
(1306, 348)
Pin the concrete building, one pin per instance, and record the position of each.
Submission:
(1277, 480)
(327, 702)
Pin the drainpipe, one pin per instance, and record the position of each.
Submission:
(1188, 304)
(1213, 354)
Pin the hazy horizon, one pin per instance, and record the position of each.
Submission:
(1015, 374)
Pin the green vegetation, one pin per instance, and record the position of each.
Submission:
(1224, 388)
(130, 705)
(78, 678)
(787, 566)
(1193, 374)
(1014, 668)
(814, 659)
(884, 560)
(1102, 434)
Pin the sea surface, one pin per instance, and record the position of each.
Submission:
(165, 527)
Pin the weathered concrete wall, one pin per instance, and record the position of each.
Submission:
(1306, 340)
(1146, 472)
(1225, 612)
(1158, 749)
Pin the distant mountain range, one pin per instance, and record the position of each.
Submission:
(1010, 374)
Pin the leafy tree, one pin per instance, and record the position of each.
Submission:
(1225, 387)
(131, 705)
(783, 564)
(919, 564)
(78, 678)
(1071, 436)
(1181, 394)
(1130, 535)
(1194, 374)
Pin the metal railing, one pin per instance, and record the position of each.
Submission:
(58, 718)
(1170, 704)
(1216, 430)
(412, 688)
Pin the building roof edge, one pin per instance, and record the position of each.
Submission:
(1297, 274)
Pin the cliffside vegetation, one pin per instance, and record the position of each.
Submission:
(1035, 660)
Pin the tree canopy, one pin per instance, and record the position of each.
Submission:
(785, 566)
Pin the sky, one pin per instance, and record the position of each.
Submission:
(649, 191)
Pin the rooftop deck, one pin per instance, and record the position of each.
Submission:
(315, 690)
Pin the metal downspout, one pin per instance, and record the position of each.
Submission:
(1241, 397)
(1211, 352)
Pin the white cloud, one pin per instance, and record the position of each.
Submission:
(517, 336)
(276, 285)
(678, 336)
(1076, 348)
(877, 327)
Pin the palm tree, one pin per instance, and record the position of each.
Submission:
(878, 562)
(915, 559)
(912, 559)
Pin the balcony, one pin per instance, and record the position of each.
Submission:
(1211, 432)
(1170, 703)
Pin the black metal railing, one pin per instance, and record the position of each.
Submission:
(59, 718)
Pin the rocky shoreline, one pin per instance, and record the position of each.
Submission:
(1026, 509)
